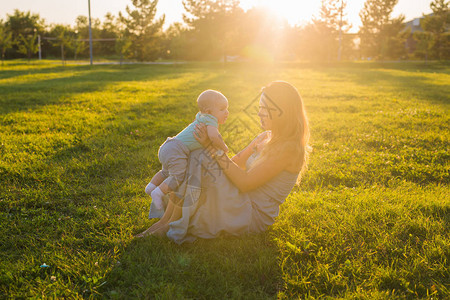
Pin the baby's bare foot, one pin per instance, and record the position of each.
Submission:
(157, 195)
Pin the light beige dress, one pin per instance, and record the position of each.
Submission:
(214, 205)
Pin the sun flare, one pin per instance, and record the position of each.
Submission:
(295, 12)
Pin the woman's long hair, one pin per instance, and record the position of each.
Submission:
(290, 130)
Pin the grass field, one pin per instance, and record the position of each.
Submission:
(370, 220)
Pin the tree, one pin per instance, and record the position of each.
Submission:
(110, 31)
(25, 24)
(79, 46)
(437, 25)
(122, 47)
(28, 46)
(214, 27)
(6, 41)
(424, 42)
(82, 27)
(142, 29)
(175, 41)
(324, 36)
(82, 33)
(381, 36)
(64, 40)
(393, 39)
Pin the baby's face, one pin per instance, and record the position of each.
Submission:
(220, 110)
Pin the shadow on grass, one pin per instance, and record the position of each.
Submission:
(9, 74)
(430, 66)
(417, 83)
(226, 267)
(437, 211)
(39, 93)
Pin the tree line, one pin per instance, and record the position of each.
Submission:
(221, 29)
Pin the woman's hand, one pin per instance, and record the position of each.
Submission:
(201, 135)
(255, 145)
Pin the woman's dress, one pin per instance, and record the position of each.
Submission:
(213, 204)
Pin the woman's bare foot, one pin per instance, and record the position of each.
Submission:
(156, 225)
(151, 229)
(144, 233)
(161, 231)
(161, 227)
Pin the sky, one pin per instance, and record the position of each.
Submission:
(295, 11)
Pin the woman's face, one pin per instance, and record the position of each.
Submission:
(264, 113)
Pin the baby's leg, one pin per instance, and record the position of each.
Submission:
(159, 191)
(170, 184)
(177, 173)
(155, 182)
(173, 155)
(177, 170)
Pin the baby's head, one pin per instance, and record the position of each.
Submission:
(213, 103)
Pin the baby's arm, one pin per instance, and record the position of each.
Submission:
(216, 138)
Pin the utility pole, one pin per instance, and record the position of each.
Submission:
(90, 31)
(39, 44)
(340, 31)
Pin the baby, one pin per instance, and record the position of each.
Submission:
(174, 153)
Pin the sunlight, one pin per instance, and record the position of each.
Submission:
(295, 12)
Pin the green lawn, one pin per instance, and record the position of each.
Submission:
(370, 220)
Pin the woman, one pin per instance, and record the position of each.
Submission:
(241, 194)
